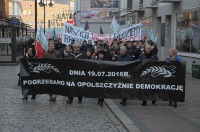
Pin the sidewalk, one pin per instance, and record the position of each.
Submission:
(162, 118)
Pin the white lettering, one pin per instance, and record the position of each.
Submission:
(76, 72)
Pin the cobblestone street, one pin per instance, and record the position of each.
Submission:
(42, 115)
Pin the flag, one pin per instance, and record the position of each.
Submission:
(101, 31)
(42, 39)
(86, 26)
(151, 36)
(115, 26)
(39, 50)
(54, 33)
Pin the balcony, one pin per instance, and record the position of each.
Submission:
(153, 5)
(169, 1)
(141, 6)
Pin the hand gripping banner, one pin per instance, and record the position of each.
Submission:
(93, 78)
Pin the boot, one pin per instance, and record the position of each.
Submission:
(174, 104)
(70, 100)
(170, 103)
(123, 102)
(80, 100)
(144, 103)
(153, 101)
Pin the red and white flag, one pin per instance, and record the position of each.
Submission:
(39, 50)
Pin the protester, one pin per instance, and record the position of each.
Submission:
(153, 47)
(123, 57)
(131, 50)
(102, 57)
(29, 55)
(52, 53)
(140, 49)
(76, 54)
(172, 56)
(66, 51)
(98, 48)
(84, 46)
(89, 53)
(59, 46)
(90, 46)
(147, 55)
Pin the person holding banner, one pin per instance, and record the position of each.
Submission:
(76, 54)
(101, 56)
(131, 50)
(31, 55)
(123, 56)
(51, 53)
(147, 55)
(172, 56)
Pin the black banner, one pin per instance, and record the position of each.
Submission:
(91, 78)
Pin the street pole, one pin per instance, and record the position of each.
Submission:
(35, 17)
(44, 19)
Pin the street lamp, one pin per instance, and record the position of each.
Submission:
(42, 4)
(70, 15)
(64, 15)
(35, 17)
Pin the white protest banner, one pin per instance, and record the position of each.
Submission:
(71, 32)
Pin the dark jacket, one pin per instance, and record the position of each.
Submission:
(52, 54)
(90, 47)
(80, 55)
(28, 56)
(126, 57)
(146, 56)
(84, 48)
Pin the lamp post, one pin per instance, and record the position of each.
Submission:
(70, 15)
(35, 17)
(42, 4)
(59, 18)
(64, 15)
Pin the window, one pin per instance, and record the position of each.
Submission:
(188, 32)
(30, 12)
(129, 4)
(24, 12)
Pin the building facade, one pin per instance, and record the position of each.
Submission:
(176, 22)
(55, 16)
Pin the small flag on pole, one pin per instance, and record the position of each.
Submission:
(86, 28)
(101, 31)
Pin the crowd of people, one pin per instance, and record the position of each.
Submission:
(118, 50)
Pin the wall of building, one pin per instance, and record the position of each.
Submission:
(28, 15)
(165, 15)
